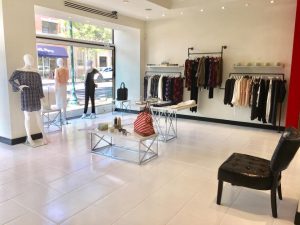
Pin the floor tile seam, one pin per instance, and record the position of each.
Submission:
(25, 211)
(146, 197)
(32, 211)
(183, 206)
(17, 194)
(76, 189)
(47, 186)
(91, 204)
(68, 174)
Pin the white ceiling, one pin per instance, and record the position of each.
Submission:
(172, 8)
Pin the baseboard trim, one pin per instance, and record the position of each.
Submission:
(19, 140)
(222, 121)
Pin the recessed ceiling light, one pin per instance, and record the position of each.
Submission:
(246, 4)
(163, 14)
(201, 10)
(223, 7)
(272, 1)
(181, 13)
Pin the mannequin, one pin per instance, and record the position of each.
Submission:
(61, 76)
(90, 89)
(30, 84)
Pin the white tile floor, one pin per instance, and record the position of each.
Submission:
(63, 183)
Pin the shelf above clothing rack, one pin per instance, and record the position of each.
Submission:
(149, 73)
(257, 74)
(163, 67)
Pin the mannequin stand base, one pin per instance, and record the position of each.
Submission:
(37, 143)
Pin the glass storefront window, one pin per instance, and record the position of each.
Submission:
(80, 31)
(90, 32)
(76, 49)
(48, 54)
(51, 26)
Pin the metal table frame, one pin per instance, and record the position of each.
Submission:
(54, 121)
(146, 146)
(165, 121)
(123, 104)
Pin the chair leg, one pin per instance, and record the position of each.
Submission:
(220, 189)
(279, 192)
(273, 202)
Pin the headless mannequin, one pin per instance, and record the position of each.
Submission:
(61, 87)
(29, 67)
(90, 89)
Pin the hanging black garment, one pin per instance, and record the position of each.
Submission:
(213, 73)
(178, 90)
(277, 97)
(254, 108)
(207, 65)
(169, 89)
(273, 107)
(154, 86)
(188, 73)
(90, 90)
(164, 81)
(194, 87)
(145, 87)
(229, 88)
(262, 100)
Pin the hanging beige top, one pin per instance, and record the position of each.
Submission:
(61, 75)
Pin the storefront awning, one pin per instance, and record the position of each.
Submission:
(52, 51)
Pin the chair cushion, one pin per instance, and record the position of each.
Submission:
(247, 171)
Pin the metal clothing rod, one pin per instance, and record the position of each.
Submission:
(206, 53)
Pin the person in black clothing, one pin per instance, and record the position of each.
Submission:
(90, 86)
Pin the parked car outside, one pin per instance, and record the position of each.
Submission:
(106, 75)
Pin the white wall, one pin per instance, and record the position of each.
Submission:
(5, 127)
(17, 37)
(252, 34)
(128, 61)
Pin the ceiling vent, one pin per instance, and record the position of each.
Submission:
(89, 9)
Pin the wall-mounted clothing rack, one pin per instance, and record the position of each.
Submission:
(259, 75)
(206, 53)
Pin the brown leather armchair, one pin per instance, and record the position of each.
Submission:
(261, 174)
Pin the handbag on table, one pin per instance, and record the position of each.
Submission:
(122, 92)
(143, 125)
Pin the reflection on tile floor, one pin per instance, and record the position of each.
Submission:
(63, 183)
